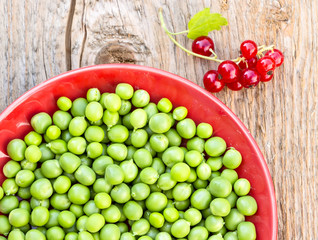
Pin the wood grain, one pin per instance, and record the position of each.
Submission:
(40, 39)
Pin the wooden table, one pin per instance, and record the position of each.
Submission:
(42, 38)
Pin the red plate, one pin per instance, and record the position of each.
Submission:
(202, 106)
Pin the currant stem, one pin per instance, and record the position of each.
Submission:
(260, 51)
(179, 45)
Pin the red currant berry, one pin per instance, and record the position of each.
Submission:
(235, 86)
(212, 82)
(250, 78)
(248, 49)
(277, 55)
(229, 71)
(265, 65)
(248, 63)
(202, 46)
(267, 77)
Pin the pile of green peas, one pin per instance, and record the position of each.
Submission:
(115, 166)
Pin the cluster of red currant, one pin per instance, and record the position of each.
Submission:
(255, 64)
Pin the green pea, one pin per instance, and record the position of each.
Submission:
(182, 191)
(66, 219)
(94, 149)
(117, 151)
(220, 207)
(111, 214)
(60, 201)
(139, 138)
(110, 118)
(77, 145)
(10, 187)
(16, 234)
(151, 109)
(93, 94)
(216, 237)
(127, 236)
(156, 219)
(156, 202)
(118, 133)
(124, 108)
(69, 162)
(159, 142)
(41, 189)
(130, 170)
(204, 130)
(140, 227)
(160, 123)
(193, 216)
(233, 219)
(180, 228)
(40, 216)
(201, 199)
(110, 232)
(198, 233)
(95, 222)
(172, 156)
(196, 143)
(215, 163)
(62, 119)
(19, 217)
(94, 111)
(138, 118)
(214, 223)
(114, 174)
(24, 178)
(193, 158)
(215, 146)
(71, 236)
(173, 137)
(102, 200)
(40, 122)
(58, 146)
(46, 153)
(242, 187)
(149, 175)
(186, 128)
(55, 233)
(132, 210)
(164, 105)
(231, 236)
(166, 182)
(51, 169)
(198, 184)
(180, 172)
(53, 132)
(180, 113)
(5, 226)
(203, 171)
(94, 134)
(79, 194)
(78, 107)
(232, 159)
(11, 168)
(220, 187)
(33, 138)
(246, 231)
(140, 98)
(64, 103)
(16, 149)
(81, 223)
(143, 158)
(102, 185)
(62, 184)
(246, 205)
(26, 165)
(112, 102)
(120, 193)
(140, 191)
(232, 199)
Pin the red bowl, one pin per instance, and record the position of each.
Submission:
(202, 106)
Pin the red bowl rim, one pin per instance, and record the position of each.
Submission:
(187, 82)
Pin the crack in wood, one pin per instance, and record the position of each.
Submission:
(68, 37)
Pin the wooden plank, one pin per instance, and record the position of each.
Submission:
(282, 114)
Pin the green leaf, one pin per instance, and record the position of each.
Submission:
(204, 22)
